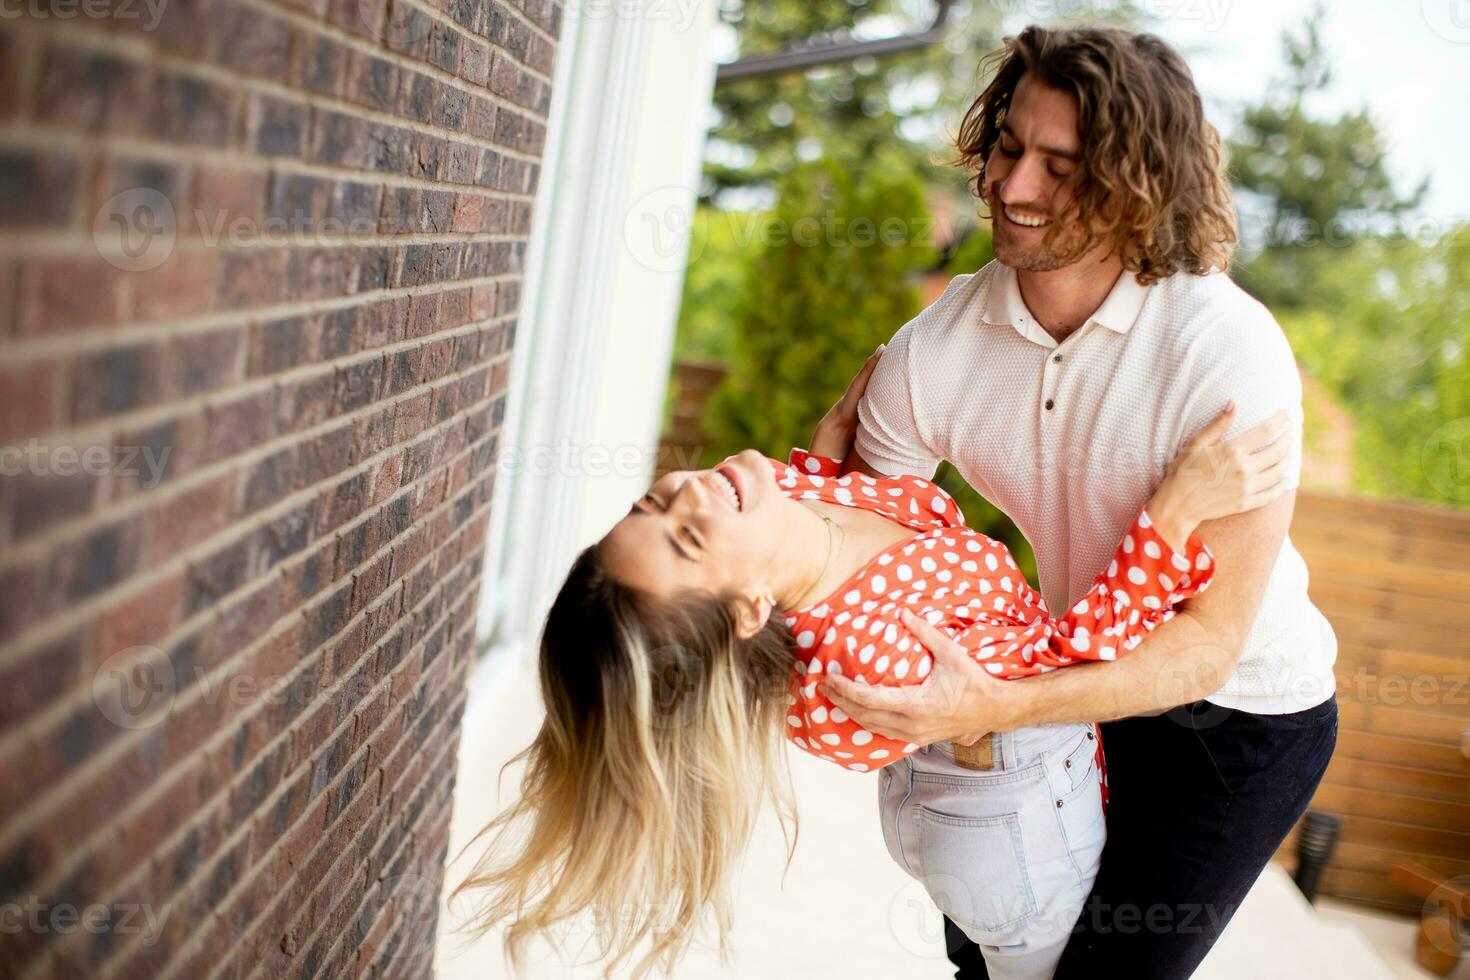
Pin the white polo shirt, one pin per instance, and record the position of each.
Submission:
(1070, 440)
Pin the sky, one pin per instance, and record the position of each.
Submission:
(1407, 61)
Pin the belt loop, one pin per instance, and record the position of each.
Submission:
(1005, 749)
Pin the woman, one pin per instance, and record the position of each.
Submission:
(688, 641)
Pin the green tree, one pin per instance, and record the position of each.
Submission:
(1311, 186)
(832, 280)
(1394, 349)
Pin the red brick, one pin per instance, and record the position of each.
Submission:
(28, 399)
(188, 518)
(60, 294)
(228, 204)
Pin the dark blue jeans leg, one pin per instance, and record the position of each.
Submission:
(1200, 798)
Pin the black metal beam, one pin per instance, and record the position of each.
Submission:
(826, 54)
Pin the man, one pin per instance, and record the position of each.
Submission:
(1060, 380)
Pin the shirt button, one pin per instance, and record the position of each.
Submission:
(1048, 404)
(1057, 358)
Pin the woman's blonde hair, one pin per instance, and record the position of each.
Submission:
(662, 740)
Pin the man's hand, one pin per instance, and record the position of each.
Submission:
(838, 428)
(958, 700)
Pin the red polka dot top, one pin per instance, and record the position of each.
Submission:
(966, 584)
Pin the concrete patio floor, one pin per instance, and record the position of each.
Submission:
(844, 909)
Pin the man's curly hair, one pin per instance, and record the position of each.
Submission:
(1152, 179)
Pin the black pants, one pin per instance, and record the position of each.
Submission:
(1199, 800)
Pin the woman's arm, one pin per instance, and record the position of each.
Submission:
(1161, 561)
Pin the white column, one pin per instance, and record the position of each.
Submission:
(604, 274)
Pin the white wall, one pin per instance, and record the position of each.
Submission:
(648, 277)
(604, 272)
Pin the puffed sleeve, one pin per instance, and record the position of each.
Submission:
(1132, 596)
(814, 465)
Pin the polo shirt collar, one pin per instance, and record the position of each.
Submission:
(1004, 306)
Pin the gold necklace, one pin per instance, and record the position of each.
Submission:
(827, 564)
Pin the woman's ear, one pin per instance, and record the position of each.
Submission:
(752, 613)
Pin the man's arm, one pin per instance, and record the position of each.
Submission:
(1183, 660)
(1187, 658)
(855, 463)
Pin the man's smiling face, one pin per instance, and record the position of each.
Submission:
(1030, 178)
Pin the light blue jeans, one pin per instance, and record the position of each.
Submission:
(1009, 853)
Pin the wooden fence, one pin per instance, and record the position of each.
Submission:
(1394, 580)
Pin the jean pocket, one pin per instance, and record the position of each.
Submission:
(1080, 816)
(1080, 762)
(974, 869)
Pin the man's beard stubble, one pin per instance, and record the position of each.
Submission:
(1064, 242)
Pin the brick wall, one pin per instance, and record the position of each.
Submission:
(260, 262)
